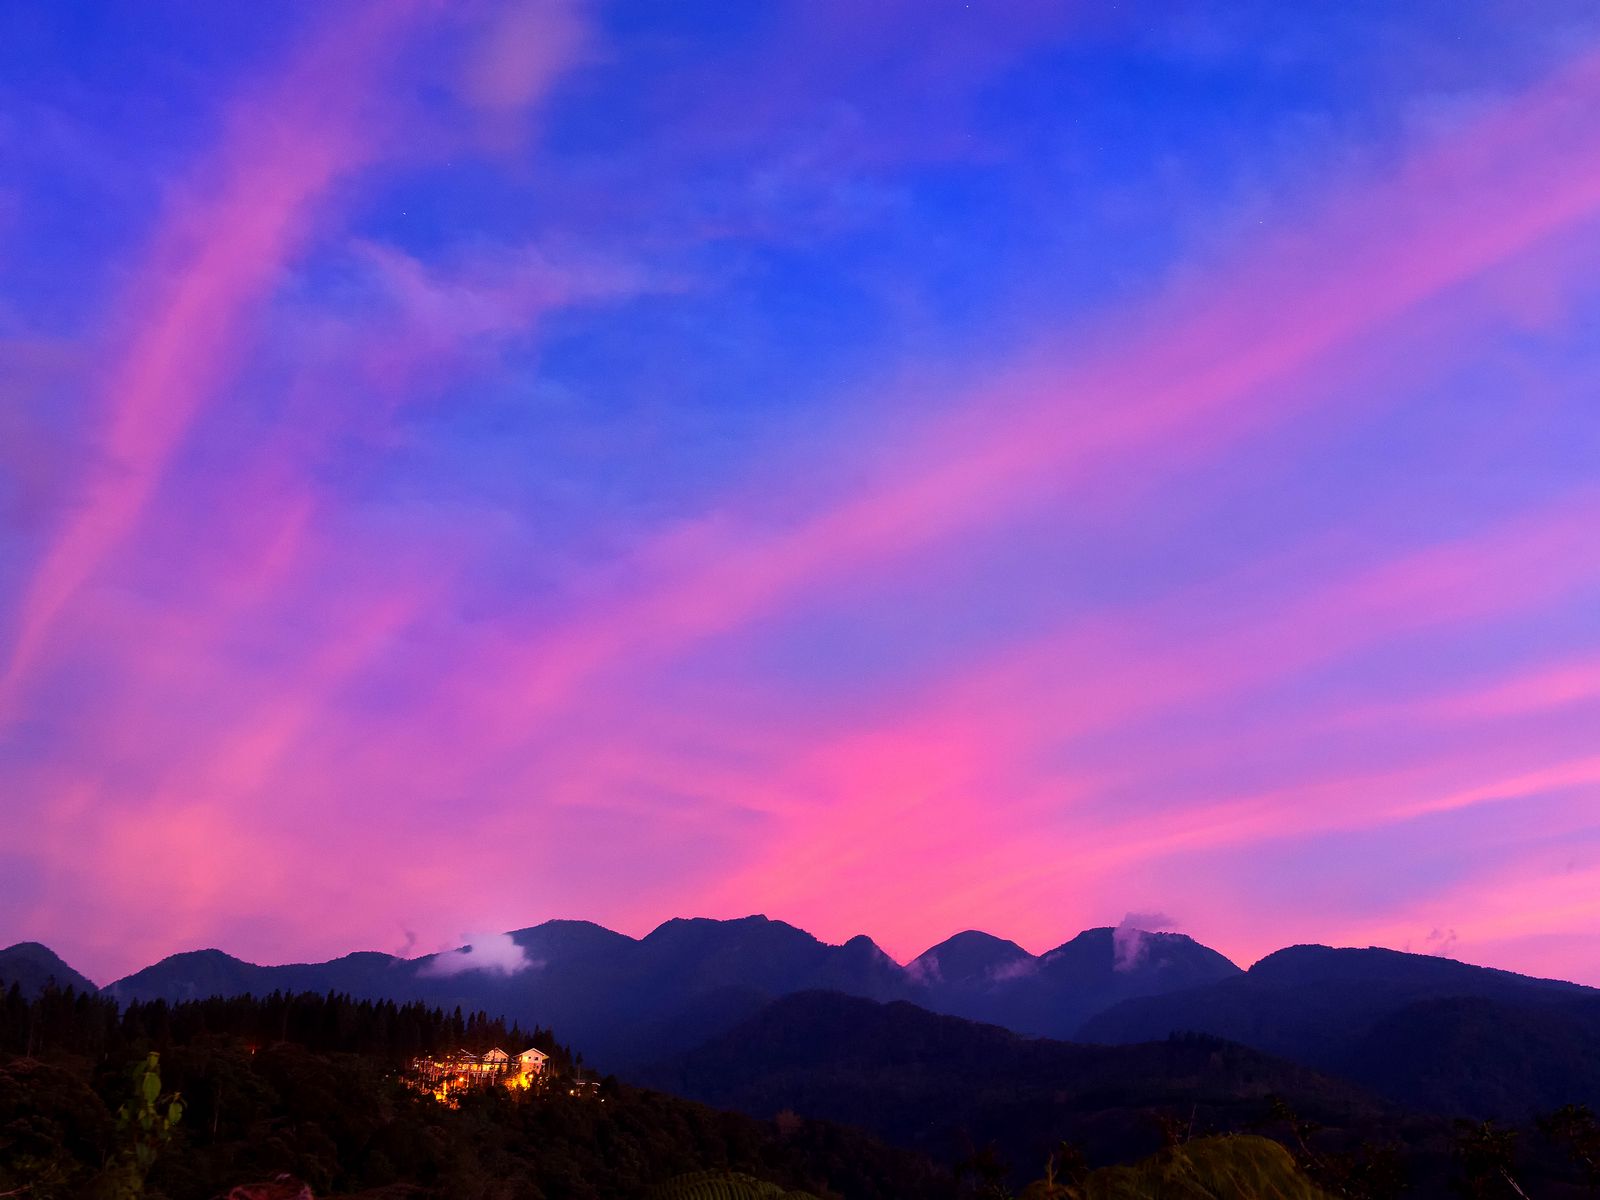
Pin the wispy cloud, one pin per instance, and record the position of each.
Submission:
(497, 953)
(1130, 940)
(225, 239)
(395, 538)
(1180, 382)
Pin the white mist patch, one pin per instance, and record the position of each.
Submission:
(496, 952)
(1017, 968)
(1130, 940)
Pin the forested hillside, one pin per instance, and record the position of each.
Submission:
(313, 1087)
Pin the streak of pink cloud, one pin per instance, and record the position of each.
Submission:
(1552, 687)
(1188, 391)
(1030, 880)
(217, 814)
(1090, 677)
(1189, 379)
(219, 250)
(909, 794)
(904, 802)
(516, 60)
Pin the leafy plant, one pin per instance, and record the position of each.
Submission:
(144, 1127)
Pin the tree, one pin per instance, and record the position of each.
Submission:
(144, 1127)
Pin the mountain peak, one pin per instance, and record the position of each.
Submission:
(705, 930)
(209, 955)
(563, 936)
(970, 957)
(33, 966)
(34, 952)
(861, 944)
(1138, 958)
(568, 924)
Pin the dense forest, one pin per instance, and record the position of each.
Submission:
(91, 1026)
(314, 1088)
(192, 1100)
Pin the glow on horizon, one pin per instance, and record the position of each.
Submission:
(899, 476)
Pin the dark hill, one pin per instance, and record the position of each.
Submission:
(199, 974)
(761, 954)
(938, 1083)
(306, 1087)
(1430, 1032)
(33, 968)
(625, 1001)
(1527, 1047)
(630, 1001)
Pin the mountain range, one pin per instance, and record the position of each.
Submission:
(1429, 1033)
(628, 1001)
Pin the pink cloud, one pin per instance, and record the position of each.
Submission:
(1129, 666)
(1180, 383)
(522, 51)
(221, 246)
(917, 790)
(1557, 686)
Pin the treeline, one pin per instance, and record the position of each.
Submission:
(311, 1087)
(90, 1026)
(344, 1128)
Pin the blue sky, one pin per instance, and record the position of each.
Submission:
(1062, 460)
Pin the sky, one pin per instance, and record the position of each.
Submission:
(898, 468)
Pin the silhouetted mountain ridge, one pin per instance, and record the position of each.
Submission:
(1425, 1031)
(1430, 1032)
(625, 999)
(34, 967)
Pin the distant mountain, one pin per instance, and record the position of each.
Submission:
(33, 967)
(1429, 1032)
(621, 1000)
(937, 1083)
(984, 978)
(971, 960)
(1423, 1031)
(628, 1001)
(197, 974)
(769, 956)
